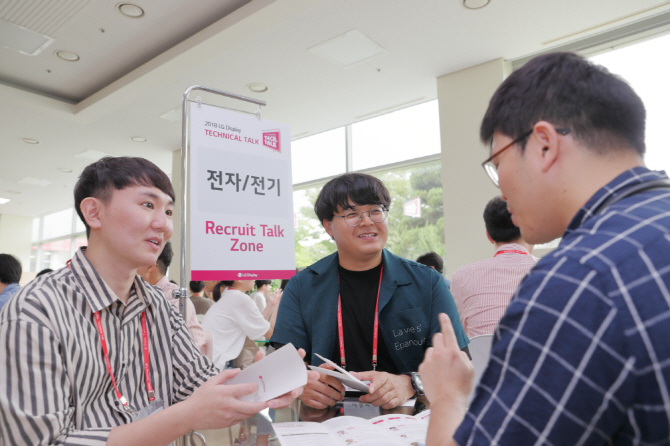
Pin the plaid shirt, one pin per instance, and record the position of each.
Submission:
(582, 355)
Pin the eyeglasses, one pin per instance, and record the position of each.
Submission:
(492, 170)
(353, 218)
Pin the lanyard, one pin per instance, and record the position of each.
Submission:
(375, 334)
(507, 251)
(145, 356)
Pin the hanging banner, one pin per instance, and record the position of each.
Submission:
(412, 208)
(241, 197)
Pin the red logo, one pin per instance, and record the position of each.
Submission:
(271, 139)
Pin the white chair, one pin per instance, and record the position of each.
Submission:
(480, 350)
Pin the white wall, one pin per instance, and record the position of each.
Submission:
(15, 238)
(463, 97)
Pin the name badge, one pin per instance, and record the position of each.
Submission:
(153, 407)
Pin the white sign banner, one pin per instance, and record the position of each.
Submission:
(412, 208)
(241, 197)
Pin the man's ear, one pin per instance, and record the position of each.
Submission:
(548, 144)
(328, 226)
(488, 236)
(91, 208)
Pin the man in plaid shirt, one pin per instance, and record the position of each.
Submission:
(582, 354)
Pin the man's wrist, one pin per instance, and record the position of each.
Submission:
(407, 384)
(415, 384)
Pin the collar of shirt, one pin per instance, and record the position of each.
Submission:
(166, 286)
(511, 247)
(10, 289)
(395, 274)
(98, 294)
(615, 187)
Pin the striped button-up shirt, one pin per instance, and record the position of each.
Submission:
(483, 290)
(54, 385)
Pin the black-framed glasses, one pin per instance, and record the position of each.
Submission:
(353, 217)
(492, 170)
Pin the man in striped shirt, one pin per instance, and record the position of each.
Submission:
(482, 290)
(581, 357)
(91, 354)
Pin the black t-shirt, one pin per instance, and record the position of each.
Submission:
(358, 291)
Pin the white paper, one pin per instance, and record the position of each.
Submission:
(344, 377)
(386, 430)
(276, 374)
(410, 429)
(351, 382)
(304, 434)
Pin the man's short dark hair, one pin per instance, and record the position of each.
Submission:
(260, 283)
(100, 178)
(359, 188)
(165, 258)
(498, 222)
(432, 259)
(196, 286)
(601, 110)
(10, 269)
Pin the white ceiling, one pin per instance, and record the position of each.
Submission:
(133, 70)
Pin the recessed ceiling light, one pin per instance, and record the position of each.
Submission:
(67, 56)
(65, 169)
(15, 192)
(475, 4)
(130, 10)
(4, 200)
(257, 87)
(139, 139)
(30, 141)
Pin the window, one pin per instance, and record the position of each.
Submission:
(55, 238)
(416, 222)
(645, 68)
(409, 133)
(319, 156)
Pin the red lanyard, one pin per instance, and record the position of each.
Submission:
(375, 334)
(507, 251)
(145, 356)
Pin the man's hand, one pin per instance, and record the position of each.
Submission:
(386, 390)
(274, 298)
(322, 390)
(286, 399)
(214, 405)
(446, 372)
(447, 375)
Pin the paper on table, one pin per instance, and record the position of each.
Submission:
(276, 374)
